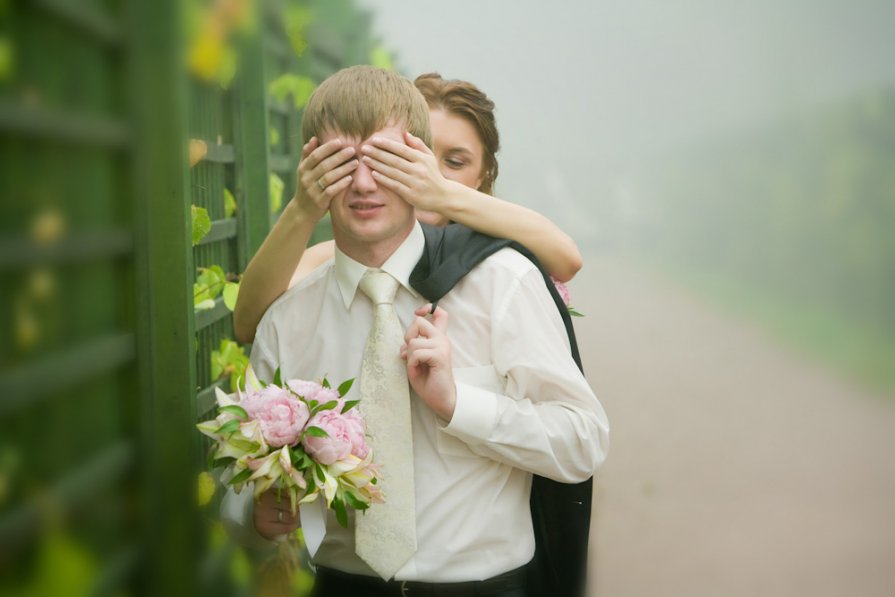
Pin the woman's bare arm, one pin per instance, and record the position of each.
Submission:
(412, 172)
(282, 258)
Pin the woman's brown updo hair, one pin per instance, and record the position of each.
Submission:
(468, 102)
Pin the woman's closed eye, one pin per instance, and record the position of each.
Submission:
(455, 163)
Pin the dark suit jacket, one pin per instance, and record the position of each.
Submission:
(560, 511)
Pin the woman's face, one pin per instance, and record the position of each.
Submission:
(458, 151)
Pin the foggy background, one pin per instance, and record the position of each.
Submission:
(594, 96)
(727, 170)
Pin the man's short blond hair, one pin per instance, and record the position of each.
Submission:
(360, 100)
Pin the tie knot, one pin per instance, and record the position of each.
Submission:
(379, 286)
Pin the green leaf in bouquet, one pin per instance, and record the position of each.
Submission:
(235, 410)
(229, 204)
(220, 462)
(277, 381)
(229, 427)
(341, 512)
(345, 386)
(300, 460)
(349, 404)
(354, 502)
(325, 383)
(201, 223)
(328, 406)
(574, 313)
(316, 432)
(231, 293)
(241, 443)
(242, 477)
(319, 471)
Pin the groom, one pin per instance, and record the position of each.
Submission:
(485, 398)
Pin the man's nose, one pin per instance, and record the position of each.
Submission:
(362, 180)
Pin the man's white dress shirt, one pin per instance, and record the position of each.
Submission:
(522, 406)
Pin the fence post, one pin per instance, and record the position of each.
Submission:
(165, 276)
(252, 150)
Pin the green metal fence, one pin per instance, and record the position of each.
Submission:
(105, 365)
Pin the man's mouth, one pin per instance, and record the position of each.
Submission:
(364, 206)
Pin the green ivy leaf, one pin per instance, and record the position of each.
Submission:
(231, 293)
(345, 386)
(229, 204)
(276, 193)
(574, 313)
(297, 19)
(205, 488)
(380, 57)
(226, 67)
(277, 378)
(300, 88)
(201, 223)
(209, 283)
(204, 305)
(230, 360)
(7, 58)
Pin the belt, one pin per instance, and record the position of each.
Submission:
(334, 583)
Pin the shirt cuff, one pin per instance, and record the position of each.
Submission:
(475, 414)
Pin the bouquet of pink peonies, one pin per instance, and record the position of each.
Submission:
(300, 436)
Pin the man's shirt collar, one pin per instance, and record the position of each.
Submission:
(399, 265)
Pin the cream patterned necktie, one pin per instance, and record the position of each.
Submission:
(385, 534)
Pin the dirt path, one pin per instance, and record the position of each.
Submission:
(736, 467)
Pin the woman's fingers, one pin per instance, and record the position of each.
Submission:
(331, 177)
(312, 144)
(416, 143)
(329, 159)
(386, 145)
(387, 170)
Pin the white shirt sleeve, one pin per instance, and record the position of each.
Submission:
(548, 420)
(237, 509)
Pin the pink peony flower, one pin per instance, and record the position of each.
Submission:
(311, 390)
(563, 291)
(346, 435)
(282, 415)
(306, 389)
(359, 445)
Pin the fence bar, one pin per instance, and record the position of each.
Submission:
(72, 127)
(29, 383)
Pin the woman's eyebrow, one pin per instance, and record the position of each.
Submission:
(462, 150)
